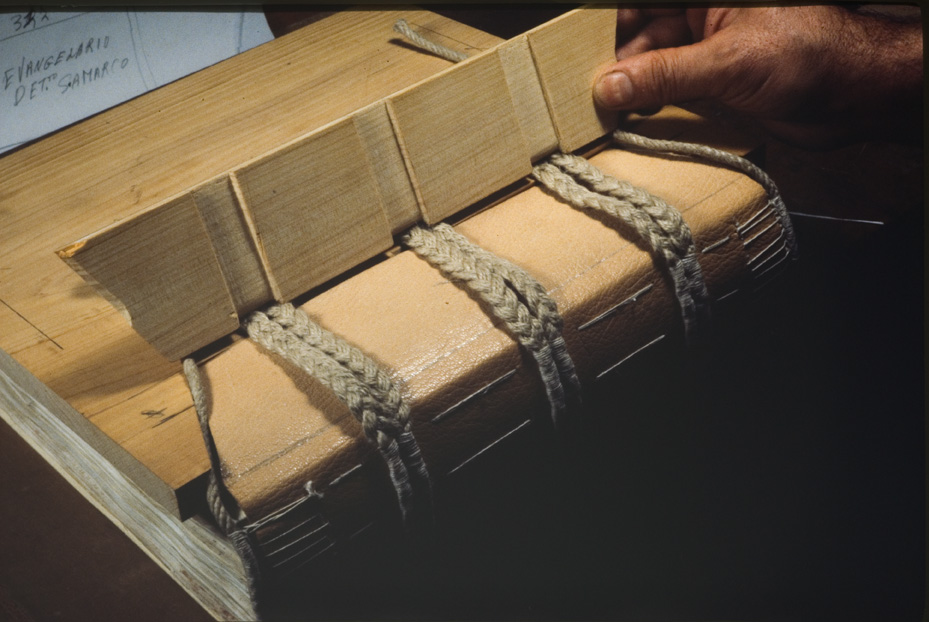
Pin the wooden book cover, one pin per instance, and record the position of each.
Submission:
(230, 205)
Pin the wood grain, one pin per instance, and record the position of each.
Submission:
(528, 98)
(143, 154)
(225, 220)
(192, 552)
(160, 271)
(460, 135)
(393, 182)
(569, 52)
(316, 209)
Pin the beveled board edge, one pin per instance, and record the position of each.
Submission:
(240, 267)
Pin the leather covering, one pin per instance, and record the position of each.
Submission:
(469, 385)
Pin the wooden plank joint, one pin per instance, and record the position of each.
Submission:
(273, 227)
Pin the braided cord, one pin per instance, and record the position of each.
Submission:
(723, 158)
(351, 358)
(532, 294)
(668, 219)
(222, 504)
(359, 399)
(680, 253)
(686, 277)
(360, 384)
(569, 189)
(388, 396)
(401, 26)
(446, 253)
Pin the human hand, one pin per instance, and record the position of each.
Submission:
(815, 76)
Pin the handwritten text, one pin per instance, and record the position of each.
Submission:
(29, 67)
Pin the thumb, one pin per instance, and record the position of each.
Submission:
(659, 77)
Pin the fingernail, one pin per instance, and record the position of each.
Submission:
(614, 89)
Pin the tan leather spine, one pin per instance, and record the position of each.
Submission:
(276, 429)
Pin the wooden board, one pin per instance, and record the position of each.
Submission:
(312, 209)
(198, 144)
(315, 208)
(171, 246)
(226, 222)
(528, 98)
(460, 135)
(569, 52)
(380, 143)
(192, 552)
(147, 152)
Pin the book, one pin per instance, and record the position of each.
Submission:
(109, 409)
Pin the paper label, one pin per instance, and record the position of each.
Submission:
(57, 68)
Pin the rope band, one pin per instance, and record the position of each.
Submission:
(358, 382)
(401, 26)
(660, 227)
(222, 504)
(369, 393)
(722, 158)
(536, 299)
(511, 295)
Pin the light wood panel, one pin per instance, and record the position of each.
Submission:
(154, 147)
(193, 552)
(226, 223)
(569, 52)
(310, 210)
(315, 208)
(393, 183)
(148, 268)
(460, 135)
(150, 151)
(528, 99)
